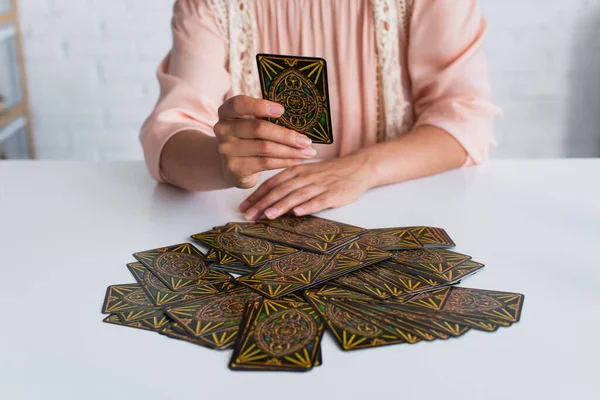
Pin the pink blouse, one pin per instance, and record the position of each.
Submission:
(443, 70)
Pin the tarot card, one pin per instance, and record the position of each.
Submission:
(292, 239)
(219, 340)
(154, 324)
(350, 331)
(339, 265)
(394, 281)
(397, 329)
(434, 322)
(249, 250)
(434, 260)
(484, 304)
(446, 321)
(364, 252)
(300, 85)
(288, 274)
(128, 298)
(161, 295)
(391, 239)
(335, 291)
(381, 314)
(316, 228)
(355, 282)
(179, 266)
(500, 308)
(213, 314)
(279, 335)
(431, 237)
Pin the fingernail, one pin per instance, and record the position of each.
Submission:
(303, 141)
(271, 212)
(309, 152)
(244, 206)
(299, 211)
(275, 109)
(251, 214)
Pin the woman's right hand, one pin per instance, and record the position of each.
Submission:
(249, 145)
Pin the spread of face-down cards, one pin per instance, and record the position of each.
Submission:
(300, 85)
(293, 278)
(305, 269)
(441, 314)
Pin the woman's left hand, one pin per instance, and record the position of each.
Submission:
(310, 188)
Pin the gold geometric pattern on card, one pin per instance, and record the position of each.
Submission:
(431, 236)
(315, 227)
(391, 239)
(249, 250)
(179, 266)
(216, 313)
(351, 331)
(120, 298)
(285, 334)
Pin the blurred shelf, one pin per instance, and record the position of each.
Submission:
(12, 127)
(14, 119)
(6, 18)
(7, 30)
(12, 114)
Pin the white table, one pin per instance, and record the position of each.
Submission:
(67, 230)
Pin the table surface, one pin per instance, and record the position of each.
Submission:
(67, 229)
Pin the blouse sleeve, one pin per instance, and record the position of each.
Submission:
(193, 80)
(449, 73)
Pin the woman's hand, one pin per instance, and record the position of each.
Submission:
(310, 188)
(248, 145)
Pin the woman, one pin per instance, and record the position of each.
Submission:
(408, 87)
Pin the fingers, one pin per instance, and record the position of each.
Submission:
(242, 167)
(263, 148)
(293, 200)
(266, 187)
(293, 191)
(260, 129)
(242, 106)
(314, 205)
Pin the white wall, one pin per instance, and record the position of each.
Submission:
(545, 69)
(91, 67)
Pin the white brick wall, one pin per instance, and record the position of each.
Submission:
(91, 67)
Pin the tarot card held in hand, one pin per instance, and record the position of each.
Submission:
(300, 85)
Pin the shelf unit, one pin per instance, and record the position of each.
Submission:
(16, 136)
